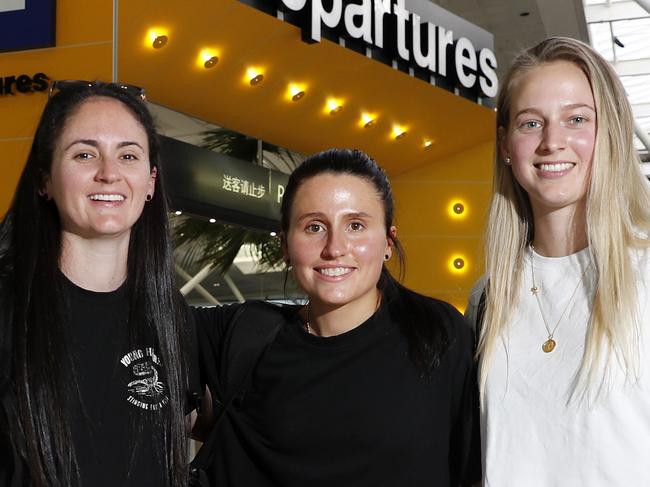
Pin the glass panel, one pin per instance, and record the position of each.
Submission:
(645, 124)
(635, 36)
(637, 88)
(601, 39)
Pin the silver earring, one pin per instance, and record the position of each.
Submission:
(507, 161)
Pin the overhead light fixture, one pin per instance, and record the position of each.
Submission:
(457, 264)
(210, 63)
(334, 106)
(427, 143)
(156, 37)
(296, 92)
(457, 209)
(207, 58)
(399, 132)
(368, 120)
(254, 76)
(273, 234)
(212, 220)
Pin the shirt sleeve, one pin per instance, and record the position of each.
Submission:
(210, 326)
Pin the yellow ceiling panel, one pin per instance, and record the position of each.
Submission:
(243, 37)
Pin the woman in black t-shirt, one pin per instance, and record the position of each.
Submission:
(93, 380)
(369, 383)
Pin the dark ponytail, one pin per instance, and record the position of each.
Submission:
(418, 316)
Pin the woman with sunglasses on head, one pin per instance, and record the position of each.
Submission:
(93, 381)
(565, 333)
(369, 383)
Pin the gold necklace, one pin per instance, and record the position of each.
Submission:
(310, 330)
(549, 345)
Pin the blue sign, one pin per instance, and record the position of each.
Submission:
(27, 24)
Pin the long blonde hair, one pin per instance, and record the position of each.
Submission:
(617, 218)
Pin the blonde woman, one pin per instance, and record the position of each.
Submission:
(564, 320)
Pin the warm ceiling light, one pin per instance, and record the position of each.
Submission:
(334, 106)
(399, 132)
(427, 143)
(156, 37)
(211, 62)
(296, 91)
(159, 41)
(254, 76)
(368, 120)
(208, 58)
(457, 209)
(457, 264)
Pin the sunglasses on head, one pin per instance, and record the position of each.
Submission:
(67, 84)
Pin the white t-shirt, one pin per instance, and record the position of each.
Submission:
(532, 435)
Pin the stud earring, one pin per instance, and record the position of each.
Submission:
(386, 257)
(507, 161)
(149, 197)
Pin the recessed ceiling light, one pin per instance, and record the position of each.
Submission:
(399, 132)
(368, 120)
(159, 41)
(296, 91)
(254, 76)
(210, 63)
(334, 106)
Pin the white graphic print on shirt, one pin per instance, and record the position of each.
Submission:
(147, 390)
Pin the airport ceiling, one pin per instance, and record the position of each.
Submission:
(244, 37)
(517, 24)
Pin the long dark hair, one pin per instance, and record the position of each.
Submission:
(30, 249)
(427, 336)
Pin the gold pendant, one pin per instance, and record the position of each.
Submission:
(548, 346)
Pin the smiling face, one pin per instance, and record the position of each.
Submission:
(100, 175)
(337, 240)
(551, 135)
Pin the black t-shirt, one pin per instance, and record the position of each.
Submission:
(122, 390)
(345, 410)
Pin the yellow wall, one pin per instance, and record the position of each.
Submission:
(431, 236)
(84, 39)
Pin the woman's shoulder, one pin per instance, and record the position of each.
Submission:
(437, 311)
(218, 319)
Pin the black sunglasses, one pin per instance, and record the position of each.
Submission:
(67, 84)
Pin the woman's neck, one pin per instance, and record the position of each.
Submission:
(561, 232)
(98, 264)
(328, 320)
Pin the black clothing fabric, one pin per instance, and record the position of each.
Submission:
(345, 410)
(115, 401)
(122, 390)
